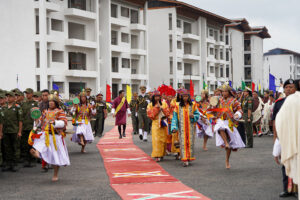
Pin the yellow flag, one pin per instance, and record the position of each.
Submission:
(128, 93)
(259, 87)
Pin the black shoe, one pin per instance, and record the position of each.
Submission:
(44, 169)
(120, 137)
(285, 194)
(6, 168)
(141, 137)
(124, 135)
(296, 195)
(28, 165)
(13, 169)
(145, 140)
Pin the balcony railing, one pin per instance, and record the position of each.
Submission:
(77, 66)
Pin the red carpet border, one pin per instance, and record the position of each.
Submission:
(134, 175)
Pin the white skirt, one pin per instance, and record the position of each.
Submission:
(85, 130)
(235, 140)
(204, 129)
(59, 157)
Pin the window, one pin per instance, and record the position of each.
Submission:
(114, 90)
(216, 35)
(247, 45)
(60, 86)
(134, 66)
(179, 66)
(57, 56)
(114, 10)
(56, 25)
(77, 61)
(125, 37)
(211, 69)
(114, 37)
(248, 73)
(134, 16)
(37, 25)
(115, 64)
(125, 63)
(291, 59)
(221, 54)
(221, 71)
(227, 40)
(179, 45)
(134, 41)
(178, 23)
(216, 53)
(187, 86)
(170, 21)
(187, 27)
(79, 4)
(221, 35)
(75, 88)
(227, 71)
(124, 12)
(171, 66)
(170, 44)
(187, 48)
(247, 58)
(211, 51)
(211, 32)
(37, 58)
(76, 31)
(227, 55)
(187, 69)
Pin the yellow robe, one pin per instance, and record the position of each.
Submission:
(159, 134)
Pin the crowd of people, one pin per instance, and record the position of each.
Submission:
(33, 125)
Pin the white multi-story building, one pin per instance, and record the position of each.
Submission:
(281, 63)
(246, 45)
(186, 43)
(73, 44)
(53, 41)
(123, 44)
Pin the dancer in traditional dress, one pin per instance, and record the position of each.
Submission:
(119, 109)
(82, 114)
(203, 127)
(227, 135)
(49, 143)
(158, 111)
(184, 120)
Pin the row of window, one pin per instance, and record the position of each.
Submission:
(125, 12)
(219, 54)
(126, 63)
(133, 39)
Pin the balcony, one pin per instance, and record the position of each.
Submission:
(79, 14)
(220, 43)
(192, 77)
(138, 52)
(139, 76)
(211, 40)
(50, 6)
(120, 49)
(81, 73)
(137, 27)
(119, 22)
(189, 36)
(191, 57)
(81, 43)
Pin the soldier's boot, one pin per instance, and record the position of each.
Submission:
(141, 134)
(6, 168)
(13, 168)
(145, 136)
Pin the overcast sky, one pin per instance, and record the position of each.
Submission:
(281, 17)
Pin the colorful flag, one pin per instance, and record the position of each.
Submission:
(272, 85)
(243, 85)
(259, 87)
(253, 86)
(128, 93)
(191, 88)
(55, 87)
(204, 85)
(230, 83)
(108, 93)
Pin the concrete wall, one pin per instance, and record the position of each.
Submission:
(257, 60)
(17, 28)
(237, 56)
(158, 22)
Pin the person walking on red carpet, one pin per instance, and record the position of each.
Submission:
(120, 108)
(158, 111)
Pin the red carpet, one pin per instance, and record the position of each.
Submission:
(134, 175)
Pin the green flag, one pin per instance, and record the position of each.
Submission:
(204, 85)
(243, 85)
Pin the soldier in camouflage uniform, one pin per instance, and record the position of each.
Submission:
(101, 114)
(91, 100)
(134, 115)
(19, 101)
(2, 96)
(12, 130)
(142, 104)
(247, 106)
(27, 127)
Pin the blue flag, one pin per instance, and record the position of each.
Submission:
(230, 83)
(55, 87)
(272, 85)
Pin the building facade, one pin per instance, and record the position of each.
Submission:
(281, 63)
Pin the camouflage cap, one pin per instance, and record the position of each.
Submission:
(29, 91)
(37, 94)
(10, 93)
(16, 90)
(88, 89)
(2, 96)
(19, 93)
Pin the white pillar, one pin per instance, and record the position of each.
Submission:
(43, 45)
